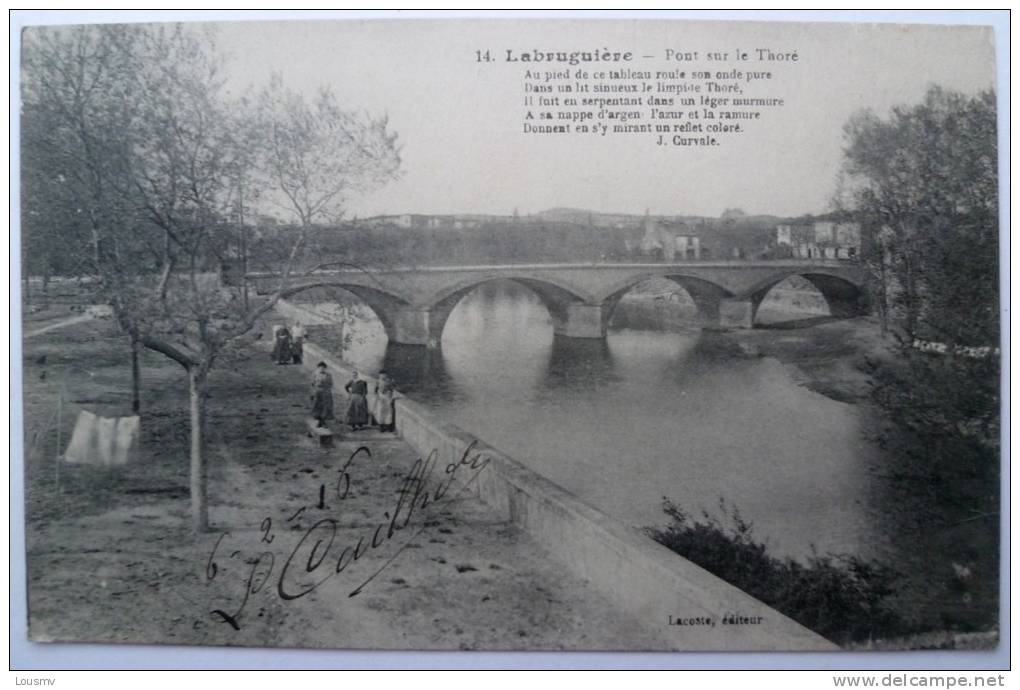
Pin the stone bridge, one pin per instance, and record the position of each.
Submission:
(413, 303)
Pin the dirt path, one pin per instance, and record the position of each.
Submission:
(60, 324)
(111, 558)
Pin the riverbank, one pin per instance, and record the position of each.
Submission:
(946, 552)
(828, 358)
(645, 579)
(778, 422)
(110, 556)
(823, 354)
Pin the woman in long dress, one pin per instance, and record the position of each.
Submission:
(281, 349)
(357, 408)
(297, 344)
(322, 394)
(383, 408)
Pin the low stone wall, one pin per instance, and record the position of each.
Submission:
(694, 609)
(640, 575)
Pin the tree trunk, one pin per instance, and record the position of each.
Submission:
(199, 508)
(244, 247)
(136, 376)
(883, 295)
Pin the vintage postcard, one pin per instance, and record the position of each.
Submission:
(511, 334)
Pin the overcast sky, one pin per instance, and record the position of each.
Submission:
(460, 121)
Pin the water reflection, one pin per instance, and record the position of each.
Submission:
(624, 421)
(578, 364)
(713, 346)
(420, 372)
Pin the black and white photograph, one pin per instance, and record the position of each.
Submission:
(510, 334)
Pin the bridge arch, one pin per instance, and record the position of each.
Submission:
(385, 305)
(558, 298)
(413, 305)
(705, 294)
(845, 297)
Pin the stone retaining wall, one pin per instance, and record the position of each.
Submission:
(691, 605)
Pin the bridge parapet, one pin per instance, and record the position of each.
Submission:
(414, 302)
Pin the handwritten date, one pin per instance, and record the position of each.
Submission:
(324, 550)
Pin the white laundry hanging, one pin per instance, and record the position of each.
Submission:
(102, 440)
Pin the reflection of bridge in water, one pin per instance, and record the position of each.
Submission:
(413, 303)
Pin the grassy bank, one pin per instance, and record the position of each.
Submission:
(841, 597)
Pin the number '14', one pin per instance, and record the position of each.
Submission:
(482, 57)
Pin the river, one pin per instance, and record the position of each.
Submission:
(644, 415)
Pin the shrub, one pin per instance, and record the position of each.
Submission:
(841, 597)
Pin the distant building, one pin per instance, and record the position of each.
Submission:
(819, 240)
(668, 241)
(651, 243)
(265, 220)
(417, 220)
(825, 232)
(687, 247)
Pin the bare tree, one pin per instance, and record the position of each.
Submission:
(75, 89)
(138, 135)
(313, 156)
(316, 154)
(155, 155)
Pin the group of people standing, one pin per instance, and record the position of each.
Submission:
(360, 413)
(288, 348)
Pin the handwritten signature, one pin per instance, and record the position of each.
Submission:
(321, 554)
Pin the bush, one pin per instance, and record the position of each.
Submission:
(841, 597)
(943, 422)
